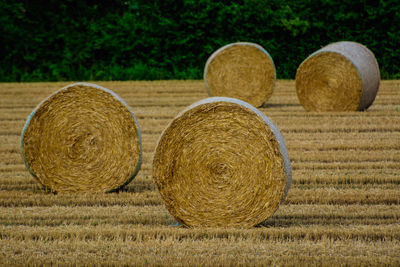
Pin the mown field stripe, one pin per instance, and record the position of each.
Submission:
(325, 195)
(124, 233)
(212, 252)
(287, 215)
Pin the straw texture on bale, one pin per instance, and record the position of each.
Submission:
(241, 70)
(221, 163)
(82, 138)
(342, 76)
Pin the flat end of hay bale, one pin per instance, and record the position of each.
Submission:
(328, 81)
(82, 138)
(221, 163)
(241, 70)
(342, 76)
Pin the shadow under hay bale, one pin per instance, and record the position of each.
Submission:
(241, 70)
(342, 76)
(82, 138)
(221, 163)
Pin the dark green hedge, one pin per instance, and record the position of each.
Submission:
(164, 39)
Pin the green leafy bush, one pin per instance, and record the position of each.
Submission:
(164, 39)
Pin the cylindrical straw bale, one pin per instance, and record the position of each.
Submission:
(221, 163)
(82, 138)
(342, 76)
(241, 70)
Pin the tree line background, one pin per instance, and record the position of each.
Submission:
(172, 39)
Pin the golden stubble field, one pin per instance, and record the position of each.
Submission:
(343, 206)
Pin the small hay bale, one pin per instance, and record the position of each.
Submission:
(241, 70)
(221, 163)
(342, 76)
(82, 138)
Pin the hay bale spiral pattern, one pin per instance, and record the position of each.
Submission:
(342, 76)
(221, 163)
(82, 138)
(241, 70)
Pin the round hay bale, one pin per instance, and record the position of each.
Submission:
(82, 138)
(221, 163)
(241, 70)
(342, 76)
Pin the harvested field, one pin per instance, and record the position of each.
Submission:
(343, 206)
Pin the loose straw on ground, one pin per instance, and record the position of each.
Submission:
(241, 70)
(82, 138)
(221, 163)
(342, 76)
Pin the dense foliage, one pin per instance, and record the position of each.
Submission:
(172, 39)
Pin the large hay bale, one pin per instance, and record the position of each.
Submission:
(241, 70)
(221, 163)
(342, 76)
(82, 138)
